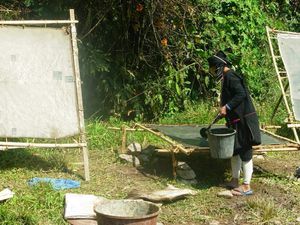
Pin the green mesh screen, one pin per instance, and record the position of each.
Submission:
(189, 135)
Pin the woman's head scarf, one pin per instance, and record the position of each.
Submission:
(219, 61)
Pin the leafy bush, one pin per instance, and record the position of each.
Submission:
(147, 59)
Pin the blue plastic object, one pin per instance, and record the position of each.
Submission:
(57, 184)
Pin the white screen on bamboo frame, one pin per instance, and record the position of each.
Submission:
(289, 47)
(37, 83)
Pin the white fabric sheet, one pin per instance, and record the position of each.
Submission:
(289, 46)
(37, 83)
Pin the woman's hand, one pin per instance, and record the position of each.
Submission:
(223, 111)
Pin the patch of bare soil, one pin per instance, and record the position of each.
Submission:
(275, 200)
(281, 164)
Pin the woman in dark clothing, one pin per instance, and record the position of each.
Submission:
(239, 112)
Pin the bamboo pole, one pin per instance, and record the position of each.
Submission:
(37, 22)
(296, 125)
(280, 137)
(162, 150)
(127, 129)
(256, 148)
(286, 149)
(174, 164)
(277, 72)
(79, 95)
(41, 145)
(283, 32)
(176, 145)
(271, 127)
(124, 139)
(255, 152)
(4, 148)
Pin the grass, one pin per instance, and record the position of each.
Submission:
(264, 210)
(276, 199)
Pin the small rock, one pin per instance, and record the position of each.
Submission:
(225, 194)
(134, 147)
(297, 172)
(158, 223)
(190, 182)
(214, 222)
(183, 166)
(130, 158)
(185, 171)
(126, 157)
(186, 174)
(298, 219)
(259, 157)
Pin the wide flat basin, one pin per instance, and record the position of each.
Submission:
(122, 212)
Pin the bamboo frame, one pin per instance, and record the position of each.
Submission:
(283, 32)
(126, 128)
(291, 117)
(178, 148)
(82, 139)
(271, 127)
(290, 146)
(79, 96)
(41, 145)
(37, 22)
(296, 125)
(124, 140)
(280, 137)
(256, 151)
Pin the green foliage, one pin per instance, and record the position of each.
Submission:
(163, 50)
(146, 59)
(200, 113)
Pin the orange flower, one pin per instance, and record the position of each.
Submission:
(139, 7)
(164, 42)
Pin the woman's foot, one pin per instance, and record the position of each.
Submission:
(242, 190)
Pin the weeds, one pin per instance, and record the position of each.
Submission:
(263, 209)
(275, 198)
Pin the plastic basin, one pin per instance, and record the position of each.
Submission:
(125, 212)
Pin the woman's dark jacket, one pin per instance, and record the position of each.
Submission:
(241, 114)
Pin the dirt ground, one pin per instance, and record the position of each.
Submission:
(275, 200)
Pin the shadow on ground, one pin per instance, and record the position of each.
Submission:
(209, 172)
(24, 158)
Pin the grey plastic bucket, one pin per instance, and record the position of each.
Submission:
(221, 142)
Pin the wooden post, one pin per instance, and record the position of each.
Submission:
(41, 145)
(36, 22)
(124, 139)
(79, 96)
(174, 164)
